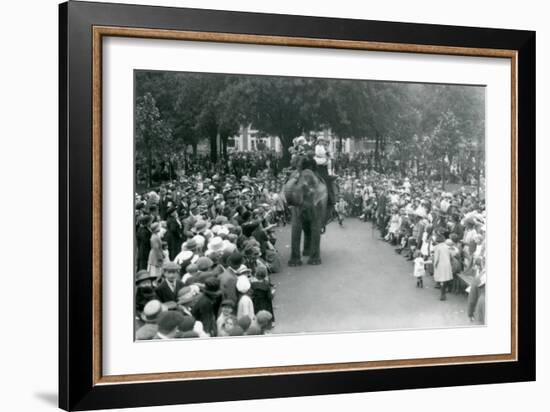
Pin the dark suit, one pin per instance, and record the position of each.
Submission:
(381, 214)
(165, 294)
(205, 310)
(174, 237)
(228, 285)
(163, 207)
(143, 237)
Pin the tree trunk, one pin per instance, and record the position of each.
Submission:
(340, 146)
(443, 174)
(213, 148)
(224, 146)
(149, 166)
(377, 152)
(286, 142)
(194, 147)
(478, 165)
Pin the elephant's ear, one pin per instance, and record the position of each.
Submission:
(290, 191)
(320, 193)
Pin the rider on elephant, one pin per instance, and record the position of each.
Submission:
(322, 158)
(315, 157)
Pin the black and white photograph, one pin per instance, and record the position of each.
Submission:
(284, 205)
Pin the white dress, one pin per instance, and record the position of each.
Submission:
(419, 269)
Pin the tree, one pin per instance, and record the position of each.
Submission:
(445, 142)
(152, 133)
(280, 106)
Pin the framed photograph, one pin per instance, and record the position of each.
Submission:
(257, 205)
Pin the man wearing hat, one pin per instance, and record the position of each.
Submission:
(174, 233)
(228, 279)
(187, 297)
(205, 272)
(143, 240)
(145, 291)
(168, 324)
(206, 307)
(150, 315)
(168, 290)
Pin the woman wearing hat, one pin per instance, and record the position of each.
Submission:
(443, 270)
(156, 257)
(145, 291)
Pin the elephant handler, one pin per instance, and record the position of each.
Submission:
(322, 157)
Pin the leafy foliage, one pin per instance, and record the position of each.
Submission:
(429, 125)
(152, 133)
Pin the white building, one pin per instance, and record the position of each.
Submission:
(249, 139)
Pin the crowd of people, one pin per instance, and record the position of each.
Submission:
(205, 252)
(206, 243)
(237, 163)
(441, 232)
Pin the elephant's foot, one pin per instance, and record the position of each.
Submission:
(316, 261)
(294, 262)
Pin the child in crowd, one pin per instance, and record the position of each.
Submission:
(226, 311)
(262, 297)
(340, 209)
(419, 269)
(227, 325)
(245, 306)
(165, 252)
(395, 222)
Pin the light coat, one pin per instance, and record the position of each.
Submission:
(443, 270)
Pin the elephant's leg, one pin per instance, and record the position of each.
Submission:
(306, 225)
(296, 237)
(316, 224)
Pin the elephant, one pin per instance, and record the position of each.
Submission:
(307, 196)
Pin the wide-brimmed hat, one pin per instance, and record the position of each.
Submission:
(183, 256)
(143, 275)
(244, 270)
(224, 231)
(152, 310)
(187, 294)
(215, 244)
(300, 140)
(221, 220)
(212, 284)
(228, 246)
(200, 226)
(204, 263)
(145, 219)
(199, 240)
(191, 244)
